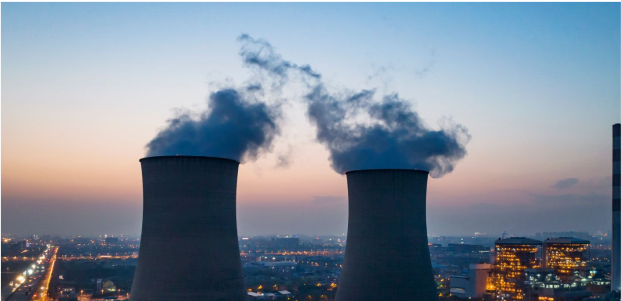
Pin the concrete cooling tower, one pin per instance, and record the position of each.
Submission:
(189, 248)
(387, 253)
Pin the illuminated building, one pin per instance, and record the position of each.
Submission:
(544, 285)
(598, 283)
(566, 255)
(541, 278)
(513, 256)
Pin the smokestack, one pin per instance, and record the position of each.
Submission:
(189, 248)
(616, 208)
(387, 249)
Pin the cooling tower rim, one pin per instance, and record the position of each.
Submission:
(388, 169)
(191, 157)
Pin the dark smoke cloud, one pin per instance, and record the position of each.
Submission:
(396, 137)
(388, 134)
(236, 126)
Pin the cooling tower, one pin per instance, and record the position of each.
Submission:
(189, 248)
(387, 253)
(616, 208)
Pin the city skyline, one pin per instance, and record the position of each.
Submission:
(86, 86)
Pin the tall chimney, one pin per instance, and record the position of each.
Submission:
(387, 252)
(616, 208)
(189, 248)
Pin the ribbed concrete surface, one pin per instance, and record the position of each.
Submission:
(616, 208)
(189, 248)
(387, 253)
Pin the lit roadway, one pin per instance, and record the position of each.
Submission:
(18, 258)
(45, 282)
(135, 255)
(302, 253)
(34, 286)
(98, 257)
(309, 253)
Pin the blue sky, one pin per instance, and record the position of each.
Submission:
(86, 86)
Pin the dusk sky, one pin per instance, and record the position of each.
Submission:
(85, 87)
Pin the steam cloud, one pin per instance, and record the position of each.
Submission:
(388, 134)
(396, 137)
(359, 132)
(236, 126)
(261, 54)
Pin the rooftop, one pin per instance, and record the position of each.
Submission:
(518, 241)
(566, 240)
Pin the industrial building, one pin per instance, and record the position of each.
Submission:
(513, 256)
(474, 285)
(616, 208)
(545, 285)
(387, 248)
(189, 248)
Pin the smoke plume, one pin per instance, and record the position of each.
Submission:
(260, 53)
(235, 126)
(360, 132)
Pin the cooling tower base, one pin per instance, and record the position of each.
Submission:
(387, 253)
(189, 249)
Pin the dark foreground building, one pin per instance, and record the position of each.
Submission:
(189, 248)
(387, 254)
(616, 208)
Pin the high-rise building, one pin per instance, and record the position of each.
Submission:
(188, 248)
(616, 208)
(566, 255)
(513, 256)
(387, 253)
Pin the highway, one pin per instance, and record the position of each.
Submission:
(33, 284)
(302, 253)
(135, 255)
(98, 257)
(18, 258)
(45, 282)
